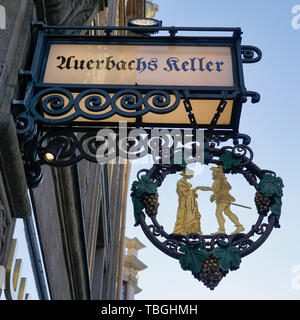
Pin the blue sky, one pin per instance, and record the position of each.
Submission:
(273, 125)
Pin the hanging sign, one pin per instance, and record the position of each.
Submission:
(209, 256)
(140, 65)
(141, 81)
(176, 82)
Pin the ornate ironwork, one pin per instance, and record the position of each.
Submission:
(76, 146)
(251, 54)
(64, 106)
(246, 242)
(56, 106)
(71, 114)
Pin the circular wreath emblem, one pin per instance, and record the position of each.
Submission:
(210, 257)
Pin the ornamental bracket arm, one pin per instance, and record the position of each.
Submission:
(250, 54)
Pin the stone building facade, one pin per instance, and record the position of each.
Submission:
(75, 218)
(132, 267)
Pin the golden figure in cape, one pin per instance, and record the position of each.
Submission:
(223, 199)
(188, 215)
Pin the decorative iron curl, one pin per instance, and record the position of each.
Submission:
(25, 126)
(56, 106)
(159, 101)
(128, 103)
(96, 104)
(250, 54)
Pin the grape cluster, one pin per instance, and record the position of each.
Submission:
(211, 274)
(150, 202)
(262, 202)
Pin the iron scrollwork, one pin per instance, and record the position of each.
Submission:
(83, 108)
(242, 243)
(47, 115)
(57, 105)
(250, 54)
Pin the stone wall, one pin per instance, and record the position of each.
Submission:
(56, 201)
(15, 42)
(78, 209)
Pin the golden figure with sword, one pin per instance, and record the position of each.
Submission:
(223, 199)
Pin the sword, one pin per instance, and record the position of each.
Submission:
(240, 205)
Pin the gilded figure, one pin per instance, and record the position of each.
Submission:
(223, 199)
(188, 215)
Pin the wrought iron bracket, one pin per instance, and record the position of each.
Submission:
(53, 112)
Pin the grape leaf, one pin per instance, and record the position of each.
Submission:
(227, 257)
(271, 185)
(229, 161)
(193, 258)
(145, 184)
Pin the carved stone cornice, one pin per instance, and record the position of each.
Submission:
(68, 13)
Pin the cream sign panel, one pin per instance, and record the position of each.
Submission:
(139, 65)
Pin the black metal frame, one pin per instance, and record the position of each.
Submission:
(33, 127)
